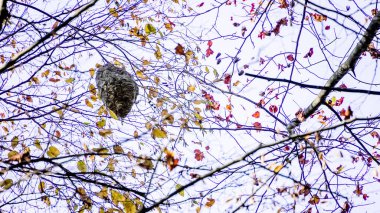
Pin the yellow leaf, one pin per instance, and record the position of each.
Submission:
(198, 209)
(46, 200)
(92, 89)
(156, 80)
(198, 116)
(145, 163)
(105, 132)
(148, 126)
(6, 184)
(101, 123)
(145, 62)
(113, 12)
(102, 110)
(41, 187)
(141, 75)
(88, 103)
(158, 133)
(158, 53)
(191, 88)
(236, 83)
(12, 154)
(53, 152)
(129, 206)
(113, 115)
(35, 80)
(92, 72)
(103, 194)
(111, 165)
(94, 98)
(116, 197)
(150, 29)
(182, 193)
(70, 80)
(169, 26)
(188, 55)
(45, 74)
(37, 144)
(278, 168)
(101, 150)
(14, 141)
(81, 165)
(197, 102)
(117, 63)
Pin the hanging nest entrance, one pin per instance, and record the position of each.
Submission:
(117, 89)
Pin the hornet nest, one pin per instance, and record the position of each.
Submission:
(117, 89)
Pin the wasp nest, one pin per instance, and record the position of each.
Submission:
(117, 89)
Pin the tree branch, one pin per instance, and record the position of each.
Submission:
(4, 14)
(348, 65)
(14, 59)
(302, 85)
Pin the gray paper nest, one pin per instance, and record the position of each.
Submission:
(117, 89)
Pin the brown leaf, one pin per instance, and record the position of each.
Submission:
(210, 202)
(179, 50)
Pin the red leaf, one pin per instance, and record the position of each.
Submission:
(290, 57)
(343, 86)
(365, 196)
(257, 126)
(310, 53)
(209, 52)
(262, 61)
(273, 109)
(252, 7)
(262, 35)
(227, 78)
(346, 113)
(201, 4)
(198, 155)
(207, 148)
(327, 27)
(209, 43)
(339, 101)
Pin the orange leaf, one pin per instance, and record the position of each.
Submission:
(256, 114)
(29, 99)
